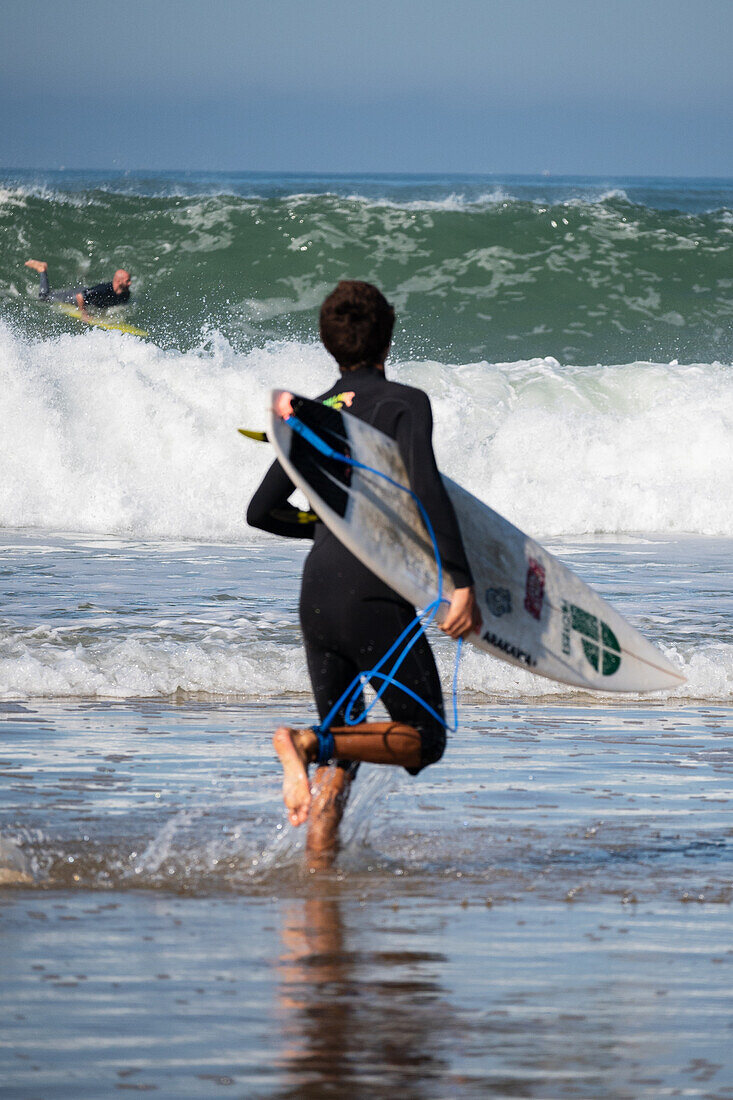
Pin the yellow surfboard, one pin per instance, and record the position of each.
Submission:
(116, 326)
(288, 516)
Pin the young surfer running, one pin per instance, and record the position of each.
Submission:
(101, 296)
(349, 617)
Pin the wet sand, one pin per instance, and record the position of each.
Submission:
(546, 913)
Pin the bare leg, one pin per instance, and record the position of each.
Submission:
(371, 742)
(379, 743)
(331, 788)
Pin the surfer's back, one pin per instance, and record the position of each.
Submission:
(405, 415)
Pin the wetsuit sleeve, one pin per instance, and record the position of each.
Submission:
(270, 509)
(415, 441)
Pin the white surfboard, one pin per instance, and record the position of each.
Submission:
(536, 613)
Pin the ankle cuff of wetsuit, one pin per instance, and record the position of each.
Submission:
(326, 747)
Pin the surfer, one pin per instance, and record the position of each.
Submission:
(101, 296)
(349, 617)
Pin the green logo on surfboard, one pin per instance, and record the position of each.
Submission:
(600, 644)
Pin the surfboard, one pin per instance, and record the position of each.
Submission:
(536, 613)
(97, 322)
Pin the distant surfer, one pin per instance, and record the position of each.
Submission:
(349, 617)
(101, 296)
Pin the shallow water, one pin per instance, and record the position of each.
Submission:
(322, 994)
(98, 616)
(544, 913)
(548, 801)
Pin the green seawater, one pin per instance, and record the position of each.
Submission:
(478, 269)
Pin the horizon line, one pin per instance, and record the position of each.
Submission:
(321, 173)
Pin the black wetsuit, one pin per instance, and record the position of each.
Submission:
(349, 617)
(101, 296)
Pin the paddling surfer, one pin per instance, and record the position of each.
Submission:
(101, 296)
(349, 617)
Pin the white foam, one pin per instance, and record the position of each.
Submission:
(12, 196)
(615, 193)
(16, 195)
(105, 433)
(39, 664)
(497, 196)
(708, 668)
(560, 450)
(455, 201)
(245, 664)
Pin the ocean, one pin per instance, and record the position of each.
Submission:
(546, 912)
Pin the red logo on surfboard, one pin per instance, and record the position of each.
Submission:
(534, 592)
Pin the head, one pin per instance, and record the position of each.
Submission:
(356, 325)
(121, 281)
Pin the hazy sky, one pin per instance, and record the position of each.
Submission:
(569, 86)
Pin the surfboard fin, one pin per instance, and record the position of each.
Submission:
(294, 515)
(259, 437)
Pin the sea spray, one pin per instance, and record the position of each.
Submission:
(286, 844)
(105, 433)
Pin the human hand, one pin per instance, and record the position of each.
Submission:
(283, 406)
(463, 614)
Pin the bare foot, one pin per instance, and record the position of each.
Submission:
(37, 265)
(296, 788)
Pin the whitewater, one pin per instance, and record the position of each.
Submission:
(104, 433)
(126, 482)
(574, 338)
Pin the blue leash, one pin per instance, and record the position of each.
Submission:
(416, 627)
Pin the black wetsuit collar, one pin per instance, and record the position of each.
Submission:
(362, 372)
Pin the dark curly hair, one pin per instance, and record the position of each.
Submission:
(356, 324)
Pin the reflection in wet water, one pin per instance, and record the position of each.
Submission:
(516, 1006)
(349, 1013)
(326, 991)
